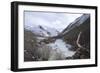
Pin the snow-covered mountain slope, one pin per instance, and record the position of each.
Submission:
(42, 30)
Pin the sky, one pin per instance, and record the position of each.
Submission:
(59, 21)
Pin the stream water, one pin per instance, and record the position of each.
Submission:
(62, 46)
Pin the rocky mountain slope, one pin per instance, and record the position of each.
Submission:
(78, 35)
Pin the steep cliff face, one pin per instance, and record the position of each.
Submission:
(80, 42)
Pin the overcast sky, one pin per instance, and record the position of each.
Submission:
(58, 21)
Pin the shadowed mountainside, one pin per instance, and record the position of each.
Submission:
(78, 35)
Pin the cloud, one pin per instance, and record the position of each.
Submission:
(49, 19)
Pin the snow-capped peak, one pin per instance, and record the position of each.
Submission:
(43, 30)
